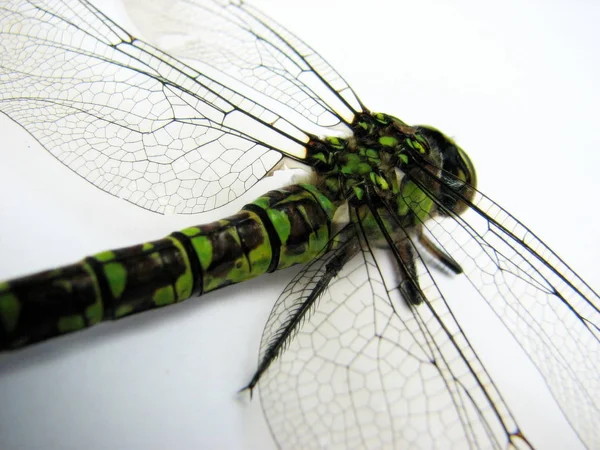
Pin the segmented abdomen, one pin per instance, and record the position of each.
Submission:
(282, 228)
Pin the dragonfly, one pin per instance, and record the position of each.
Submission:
(90, 331)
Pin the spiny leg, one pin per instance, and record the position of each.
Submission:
(439, 254)
(346, 249)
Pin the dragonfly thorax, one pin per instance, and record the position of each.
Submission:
(414, 172)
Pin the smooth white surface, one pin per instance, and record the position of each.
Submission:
(515, 83)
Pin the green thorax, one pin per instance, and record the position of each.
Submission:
(384, 156)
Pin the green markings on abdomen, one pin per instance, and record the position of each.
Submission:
(142, 277)
(108, 285)
(284, 227)
(301, 217)
(230, 250)
(281, 228)
(48, 304)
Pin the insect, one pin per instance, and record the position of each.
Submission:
(167, 230)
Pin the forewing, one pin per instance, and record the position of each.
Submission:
(132, 120)
(240, 41)
(365, 370)
(552, 313)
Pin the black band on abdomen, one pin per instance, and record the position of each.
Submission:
(192, 256)
(274, 239)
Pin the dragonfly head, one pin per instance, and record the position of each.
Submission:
(458, 174)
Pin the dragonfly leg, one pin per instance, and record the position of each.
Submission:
(439, 254)
(409, 284)
(298, 311)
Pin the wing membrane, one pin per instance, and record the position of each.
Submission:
(240, 41)
(134, 121)
(369, 369)
(550, 311)
(365, 370)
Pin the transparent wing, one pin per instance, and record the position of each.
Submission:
(363, 369)
(136, 122)
(551, 312)
(240, 41)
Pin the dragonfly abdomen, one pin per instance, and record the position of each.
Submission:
(279, 229)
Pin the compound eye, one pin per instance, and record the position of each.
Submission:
(458, 175)
(464, 170)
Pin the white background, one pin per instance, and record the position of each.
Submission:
(514, 82)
